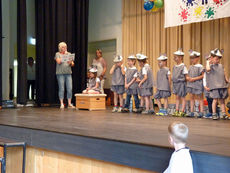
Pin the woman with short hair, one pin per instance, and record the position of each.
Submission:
(64, 74)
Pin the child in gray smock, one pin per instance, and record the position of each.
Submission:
(206, 82)
(93, 86)
(118, 81)
(179, 76)
(195, 83)
(163, 85)
(131, 84)
(145, 86)
(219, 85)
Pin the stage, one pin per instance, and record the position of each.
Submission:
(103, 129)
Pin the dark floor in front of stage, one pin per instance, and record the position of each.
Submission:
(205, 134)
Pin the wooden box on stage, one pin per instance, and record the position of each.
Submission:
(90, 101)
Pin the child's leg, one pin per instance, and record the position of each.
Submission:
(214, 114)
(192, 100)
(127, 101)
(150, 103)
(142, 102)
(146, 98)
(165, 103)
(166, 106)
(214, 103)
(115, 99)
(176, 113)
(177, 102)
(200, 98)
(159, 103)
(209, 100)
(183, 104)
(137, 101)
(121, 99)
(222, 105)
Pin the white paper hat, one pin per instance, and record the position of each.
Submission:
(213, 51)
(194, 53)
(138, 55)
(162, 58)
(218, 53)
(141, 57)
(179, 52)
(131, 57)
(93, 70)
(118, 58)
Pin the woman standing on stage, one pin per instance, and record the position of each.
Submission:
(64, 75)
(100, 63)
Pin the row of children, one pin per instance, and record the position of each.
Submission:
(211, 80)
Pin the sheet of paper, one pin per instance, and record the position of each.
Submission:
(66, 58)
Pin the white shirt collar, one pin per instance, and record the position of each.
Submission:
(180, 65)
(133, 68)
(198, 65)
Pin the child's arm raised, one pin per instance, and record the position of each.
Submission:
(123, 69)
(205, 83)
(208, 68)
(112, 69)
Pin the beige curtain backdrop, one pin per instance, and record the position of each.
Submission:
(144, 32)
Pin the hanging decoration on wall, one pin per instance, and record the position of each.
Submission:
(154, 9)
(159, 3)
(180, 12)
(148, 5)
(153, 5)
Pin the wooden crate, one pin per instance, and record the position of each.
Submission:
(90, 101)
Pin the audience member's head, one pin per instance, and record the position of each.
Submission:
(178, 133)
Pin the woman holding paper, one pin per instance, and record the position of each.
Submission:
(64, 74)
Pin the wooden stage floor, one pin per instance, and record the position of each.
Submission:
(205, 135)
